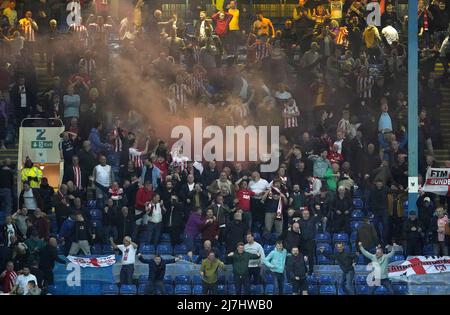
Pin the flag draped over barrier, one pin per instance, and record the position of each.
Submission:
(420, 265)
(93, 262)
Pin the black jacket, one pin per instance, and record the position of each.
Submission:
(48, 256)
(378, 200)
(125, 225)
(292, 239)
(235, 231)
(36, 195)
(6, 178)
(208, 176)
(70, 176)
(308, 228)
(4, 233)
(344, 260)
(155, 272)
(296, 267)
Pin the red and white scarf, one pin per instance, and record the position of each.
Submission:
(280, 202)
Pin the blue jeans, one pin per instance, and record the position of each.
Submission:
(6, 200)
(347, 282)
(189, 242)
(154, 231)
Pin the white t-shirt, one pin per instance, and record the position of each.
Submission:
(10, 232)
(156, 216)
(128, 254)
(22, 282)
(390, 34)
(258, 187)
(103, 175)
(254, 248)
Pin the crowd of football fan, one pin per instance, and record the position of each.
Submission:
(335, 86)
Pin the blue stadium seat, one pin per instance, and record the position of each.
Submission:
(400, 289)
(164, 249)
(180, 250)
(357, 193)
(269, 290)
(355, 225)
(142, 289)
(322, 260)
(360, 279)
(397, 258)
(143, 279)
(147, 249)
(323, 238)
(91, 289)
(327, 248)
(327, 290)
(381, 290)
(97, 223)
(222, 279)
(268, 278)
(230, 279)
(327, 279)
(428, 250)
(358, 203)
(361, 260)
(313, 289)
(257, 237)
(96, 249)
(168, 279)
(196, 280)
(128, 289)
(182, 279)
(143, 237)
(110, 289)
(362, 290)
(169, 289)
(95, 214)
(287, 290)
(312, 279)
(182, 289)
(268, 248)
(340, 237)
(164, 238)
(353, 236)
(197, 289)
(57, 289)
(357, 215)
(221, 289)
(438, 290)
(256, 289)
(91, 204)
(231, 289)
(107, 249)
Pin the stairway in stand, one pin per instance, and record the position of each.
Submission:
(443, 154)
(44, 82)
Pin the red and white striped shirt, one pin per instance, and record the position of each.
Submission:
(179, 92)
(77, 176)
(117, 140)
(80, 31)
(136, 156)
(290, 114)
(87, 66)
